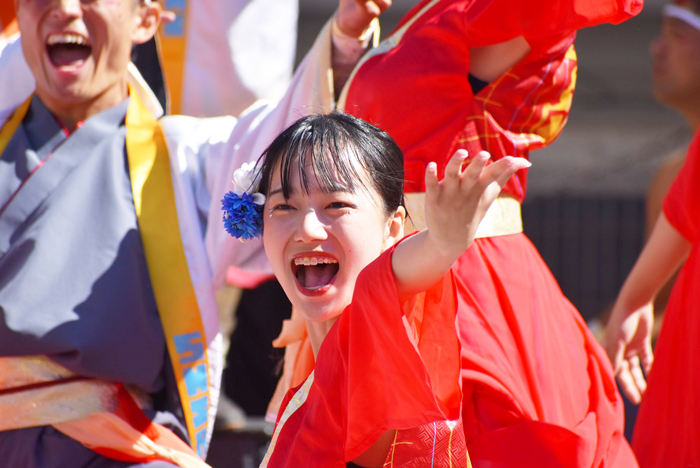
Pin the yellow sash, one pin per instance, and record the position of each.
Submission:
(154, 199)
(11, 125)
(172, 39)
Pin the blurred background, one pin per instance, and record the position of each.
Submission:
(587, 192)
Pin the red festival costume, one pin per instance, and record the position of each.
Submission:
(538, 389)
(382, 366)
(668, 425)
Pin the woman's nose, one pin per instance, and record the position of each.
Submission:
(310, 228)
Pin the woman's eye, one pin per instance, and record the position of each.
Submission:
(281, 207)
(340, 205)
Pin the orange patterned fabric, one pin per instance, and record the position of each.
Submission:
(440, 443)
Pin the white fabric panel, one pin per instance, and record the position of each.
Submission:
(238, 51)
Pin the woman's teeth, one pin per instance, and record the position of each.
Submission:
(309, 261)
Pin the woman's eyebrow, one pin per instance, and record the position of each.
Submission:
(278, 190)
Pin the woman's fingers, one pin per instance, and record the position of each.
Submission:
(474, 171)
(647, 357)
(503, 169)
(637, 375)
(454, 165)
(627, 383)
(431, 183)
(478, 171)
(616, 353)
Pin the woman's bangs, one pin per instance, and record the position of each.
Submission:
(325, 153)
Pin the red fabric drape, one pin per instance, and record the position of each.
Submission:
(668, 424)
(377, 369)
(534, 377)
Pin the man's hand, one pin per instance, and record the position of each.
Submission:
(354, 16)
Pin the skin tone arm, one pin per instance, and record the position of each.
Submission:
(628, 333)
(454, 207)
(489, 62)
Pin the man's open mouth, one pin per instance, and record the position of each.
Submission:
(66, 50)
(314, 272)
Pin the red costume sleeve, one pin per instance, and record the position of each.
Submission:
(399, 371)
(418, 89)
(500, 20)
(383, 365)
(682, 203)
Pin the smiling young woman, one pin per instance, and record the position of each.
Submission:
(380, 309)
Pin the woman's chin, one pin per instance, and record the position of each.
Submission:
(320, 308)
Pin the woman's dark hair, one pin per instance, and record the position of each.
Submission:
(350, 142)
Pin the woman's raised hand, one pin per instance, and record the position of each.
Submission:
(455, 205)
(354, 16)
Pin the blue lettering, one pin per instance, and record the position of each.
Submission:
(175, 28)
(189, 350)
(198, 408)
(175, 5)
(196, 380)
(201, 442)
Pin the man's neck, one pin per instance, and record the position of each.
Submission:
(69, 115)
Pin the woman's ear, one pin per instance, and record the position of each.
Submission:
(394, 228)
(147, 20)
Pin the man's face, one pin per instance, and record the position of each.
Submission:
(676, 64)
(78, 50)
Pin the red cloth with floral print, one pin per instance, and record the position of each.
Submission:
(538, 389)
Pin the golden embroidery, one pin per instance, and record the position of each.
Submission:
(294, 404)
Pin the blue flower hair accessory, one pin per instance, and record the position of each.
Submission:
(243, 207)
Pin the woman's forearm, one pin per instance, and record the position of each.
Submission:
(660, 258)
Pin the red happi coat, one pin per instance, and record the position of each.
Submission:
(668, 424)
(538, 389)
(383, 365)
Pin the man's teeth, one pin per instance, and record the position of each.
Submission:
(66, 39)
(307, 261)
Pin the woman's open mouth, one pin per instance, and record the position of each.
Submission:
(67, 50)
(314, 273)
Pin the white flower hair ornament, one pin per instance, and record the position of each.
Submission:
(243, 207)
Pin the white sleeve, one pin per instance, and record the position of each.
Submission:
(16, 80)
(223, 144)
